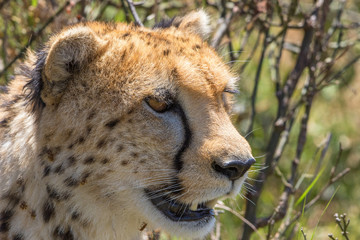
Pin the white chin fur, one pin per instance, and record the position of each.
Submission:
(237, 186)
(155, 220)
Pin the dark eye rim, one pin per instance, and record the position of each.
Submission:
(169, 103)
(231, 91)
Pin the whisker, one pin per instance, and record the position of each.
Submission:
(246, 135)
(261, 156)
(243, 196)
(255, 180)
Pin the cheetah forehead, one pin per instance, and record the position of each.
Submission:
(162, 56)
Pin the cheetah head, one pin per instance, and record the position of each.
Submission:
(139, 119)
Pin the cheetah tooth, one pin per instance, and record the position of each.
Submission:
(194, 206)
(211, 204)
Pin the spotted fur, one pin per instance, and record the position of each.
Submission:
(81, 148)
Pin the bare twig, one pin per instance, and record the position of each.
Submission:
(221, 30)
(256, 81)
(34, 36)
(303, 233)
(222, 206)
(134, 13)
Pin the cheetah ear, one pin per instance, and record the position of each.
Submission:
(68, 54)
(196, 22)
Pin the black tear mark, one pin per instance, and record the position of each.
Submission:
(187, 137)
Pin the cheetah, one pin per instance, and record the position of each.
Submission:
(111, 130)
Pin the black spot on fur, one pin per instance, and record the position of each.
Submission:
(18, 236)
(120, 148)
(166, 52)
(91, 115)
(48, 210)
(75, 215)
(23, 205)
(33, 214)
(56, 195)
(14, 197)
(89, 160)
(46, 171)
(63, 233)
(124, 162)
(59, 169)
(123, 55)
(111, 124)
(88, 129)
(165, 23)
(71, 182)
(20, 181)
(101, 143)
(71, 160)
(134, 154)
(105, 161)
(125, 35)
(34, 86)
(4, 123)
(5, 217)
(81, 140)
(196, 47)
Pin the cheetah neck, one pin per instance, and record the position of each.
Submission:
(34, 203)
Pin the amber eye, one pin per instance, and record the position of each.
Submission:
(158, 105)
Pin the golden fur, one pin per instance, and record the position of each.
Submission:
(80, 143)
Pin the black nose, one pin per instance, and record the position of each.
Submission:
(234, 169)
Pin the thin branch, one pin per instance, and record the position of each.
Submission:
(34, 36)
(256, 81)
(134, 13)
(221, 30)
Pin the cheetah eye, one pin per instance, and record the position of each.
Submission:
(159, 106)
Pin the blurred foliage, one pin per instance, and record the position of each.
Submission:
(334, 121)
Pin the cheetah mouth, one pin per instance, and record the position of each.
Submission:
(182, 212)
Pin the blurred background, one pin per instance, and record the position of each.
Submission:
(299, 69)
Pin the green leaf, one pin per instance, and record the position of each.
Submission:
(327, 205)
(34, 3)
(309, 188)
